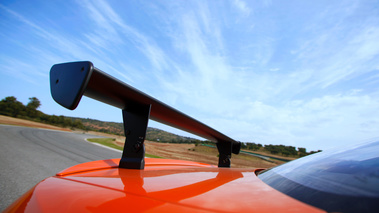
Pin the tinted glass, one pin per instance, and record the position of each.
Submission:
(336, 181)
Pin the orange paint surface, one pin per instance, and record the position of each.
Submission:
(163, 186)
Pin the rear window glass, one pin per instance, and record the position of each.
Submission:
(338, 180)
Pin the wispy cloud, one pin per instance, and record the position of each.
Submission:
(306, 123)
(65, 44)
(21, 70)
(208, 70)
(117, 31)
(277, 104)
(241, 6)
(340, 51)
(290, 78)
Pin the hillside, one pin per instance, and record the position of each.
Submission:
(9, 106)
(152, 134)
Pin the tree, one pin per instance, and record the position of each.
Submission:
(11, 107)
(78, 124)
(243, 146)
(34, 103)
(32, 106)
(302, 150)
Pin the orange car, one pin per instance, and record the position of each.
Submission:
(335, 181)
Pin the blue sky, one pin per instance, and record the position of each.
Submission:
(300, 73)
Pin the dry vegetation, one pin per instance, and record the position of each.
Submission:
(198, 153)
(21, 122)
(203, 154)
(166, 150)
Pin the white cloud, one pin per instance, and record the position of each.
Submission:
(275, 83)
(337, 50)
(317, 124)
(242, 7)
(21, 70)
(110, 31)
(274, 69)
(259, 106)
(366, 43)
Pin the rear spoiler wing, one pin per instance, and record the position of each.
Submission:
(70, 81)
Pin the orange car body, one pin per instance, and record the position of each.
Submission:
(163, 186)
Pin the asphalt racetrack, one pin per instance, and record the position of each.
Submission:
(29, 155)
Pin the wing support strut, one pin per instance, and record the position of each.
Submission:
(225, 153)
(136, 118)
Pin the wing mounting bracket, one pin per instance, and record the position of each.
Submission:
(225, 153)
(136, 118)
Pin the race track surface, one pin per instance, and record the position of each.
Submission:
(29, 155)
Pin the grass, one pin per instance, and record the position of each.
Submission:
(151, 156)
(214, 151)
(109, 142)
(105, 142)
